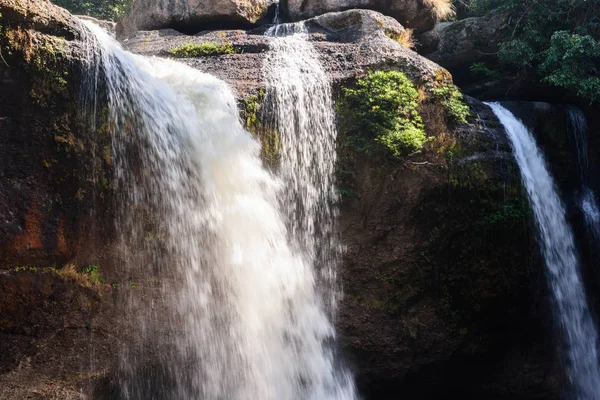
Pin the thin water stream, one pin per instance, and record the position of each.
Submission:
(579, 334)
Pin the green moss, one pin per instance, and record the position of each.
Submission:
(25, 268)
(251, 110)
(383, 109)
(93, 271)
(190, 50)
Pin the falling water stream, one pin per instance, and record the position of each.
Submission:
(577, 129)
(579, 334)
(298, 96)
(247, 249)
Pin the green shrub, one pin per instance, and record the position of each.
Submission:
(94, 273)
(190, 50)
(452, 100)
(384, 106)
(482, 70)
(102, 9)
(572, 62)
(551, 41)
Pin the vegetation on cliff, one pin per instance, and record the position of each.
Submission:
(191, 50)
(384, 106)
(555, 40)
(102, 9)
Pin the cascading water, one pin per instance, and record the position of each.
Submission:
(243, 306)
(579, 333)
(299, 100)
(298, 97)
(577, 129)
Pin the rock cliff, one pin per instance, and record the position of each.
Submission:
(442, 287)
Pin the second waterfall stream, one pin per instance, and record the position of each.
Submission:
(250, 254)
(578, 331)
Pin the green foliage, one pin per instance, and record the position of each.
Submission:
(555, 40)
(94, 273)
(573, 62)
(481, 69)
(190, 50)
(111, 10)
(384, 107)
(347, 194)
(452, 100)
(25, 268)
(251, 111)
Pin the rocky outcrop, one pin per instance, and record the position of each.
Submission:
(55, 203)
(108, 26)
(458, 45)
(192, 15)
(350, 42)
(438, 270)
(410, 13)
(52, 167)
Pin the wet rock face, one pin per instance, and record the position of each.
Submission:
(439, 268)
(52, 166)
(410, 13)
(191, 15)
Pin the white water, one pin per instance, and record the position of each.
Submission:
(579, 333)
(298, 95)
(246, 313)
(578, 132)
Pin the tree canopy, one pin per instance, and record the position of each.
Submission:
(111, 10)
(557, 40)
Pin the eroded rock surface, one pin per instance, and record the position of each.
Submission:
(458, 45)
(410, 13)
(439, 267)
(191, 15)
(350, 43)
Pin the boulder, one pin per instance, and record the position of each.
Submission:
(414, 14)
(458, 45)
(350, 42)
(191, 15)
(108, 26)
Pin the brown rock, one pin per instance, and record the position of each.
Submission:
(191, 15)
(413, 14)
(458, 45)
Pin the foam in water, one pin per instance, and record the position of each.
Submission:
(243, 307)
(579, 333)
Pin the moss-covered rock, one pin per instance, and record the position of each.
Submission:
(51, 155)
(440, 258)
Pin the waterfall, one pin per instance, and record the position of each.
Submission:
(579, 333)
(202, 216)
(577, 130)
(299, 101)
(298, 97)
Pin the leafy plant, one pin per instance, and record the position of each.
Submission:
(573, 61)
(384, 107)
(553, 41)
(112, 10)
(452, 100)
(190, 50)
(94, 273)
(481, 69)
